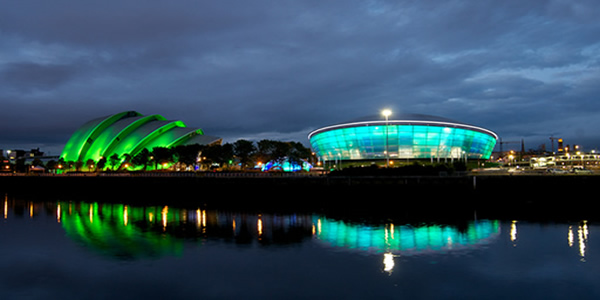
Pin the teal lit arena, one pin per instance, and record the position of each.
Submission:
(403, 136)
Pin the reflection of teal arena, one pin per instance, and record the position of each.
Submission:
(404, 137)
(404, 238)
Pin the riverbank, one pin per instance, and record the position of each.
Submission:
(236, 185)
(515, 196)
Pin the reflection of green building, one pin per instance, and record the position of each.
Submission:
(403, 238)
(128, 133)
(124, 231)
(118, 230)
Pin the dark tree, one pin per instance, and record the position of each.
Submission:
(142, 159)
(269, 150)
(114, 161)
(265, 150)
(51, 165)
(125, 161)
(78, 165)
(90, 163)
(188, 154)
(162, 155)
(101, 164)
(243, 150)
(298, 153)
(213, 155)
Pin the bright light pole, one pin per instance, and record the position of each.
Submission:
(386, 113)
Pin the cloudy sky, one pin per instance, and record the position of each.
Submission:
(277, 69)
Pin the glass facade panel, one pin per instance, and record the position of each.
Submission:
(402, 141)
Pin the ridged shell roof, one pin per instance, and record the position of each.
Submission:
(128, 133)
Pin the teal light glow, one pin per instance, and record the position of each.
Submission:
(405, 238)
(404, 141)
(287, 166)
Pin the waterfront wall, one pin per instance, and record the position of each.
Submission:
(272, 186)
(406, 197)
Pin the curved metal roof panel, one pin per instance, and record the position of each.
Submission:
(125, 133)
(79, 143)
(202, 140)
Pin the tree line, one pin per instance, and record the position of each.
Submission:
(240, 155)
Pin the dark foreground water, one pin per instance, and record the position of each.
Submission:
(89, 250)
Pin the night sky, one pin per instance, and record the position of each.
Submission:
(278, 69)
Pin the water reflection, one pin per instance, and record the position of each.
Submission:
(5, 207)
(580, 242)
(513, 232)
(107, 229)
(582, 238)
(401, 240)
(52, 248)
(129, 232)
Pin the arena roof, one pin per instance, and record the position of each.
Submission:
(404, 119)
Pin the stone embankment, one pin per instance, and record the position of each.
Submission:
(405, 197)
(291, 186)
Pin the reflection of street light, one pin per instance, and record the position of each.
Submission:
(386, 113)
(388, 262)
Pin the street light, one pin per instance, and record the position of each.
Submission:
(386, 113)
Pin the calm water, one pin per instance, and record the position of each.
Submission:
(89, 250)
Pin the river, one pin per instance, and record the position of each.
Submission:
(78, 249)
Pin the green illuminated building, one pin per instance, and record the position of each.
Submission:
(407, 136)
(129, 133)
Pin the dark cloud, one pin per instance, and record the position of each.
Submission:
(25, 77)
(277, 69)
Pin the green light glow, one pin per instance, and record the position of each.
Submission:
(109, 229)
(403, 141)
(161, 137)
(130, 232)
(185, 136)
(122, 133)
(125, 133)
(77, 146)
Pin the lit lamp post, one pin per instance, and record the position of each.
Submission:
(386, 113)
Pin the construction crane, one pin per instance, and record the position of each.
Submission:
(510, 142)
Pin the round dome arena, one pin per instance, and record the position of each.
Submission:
(402, 136)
